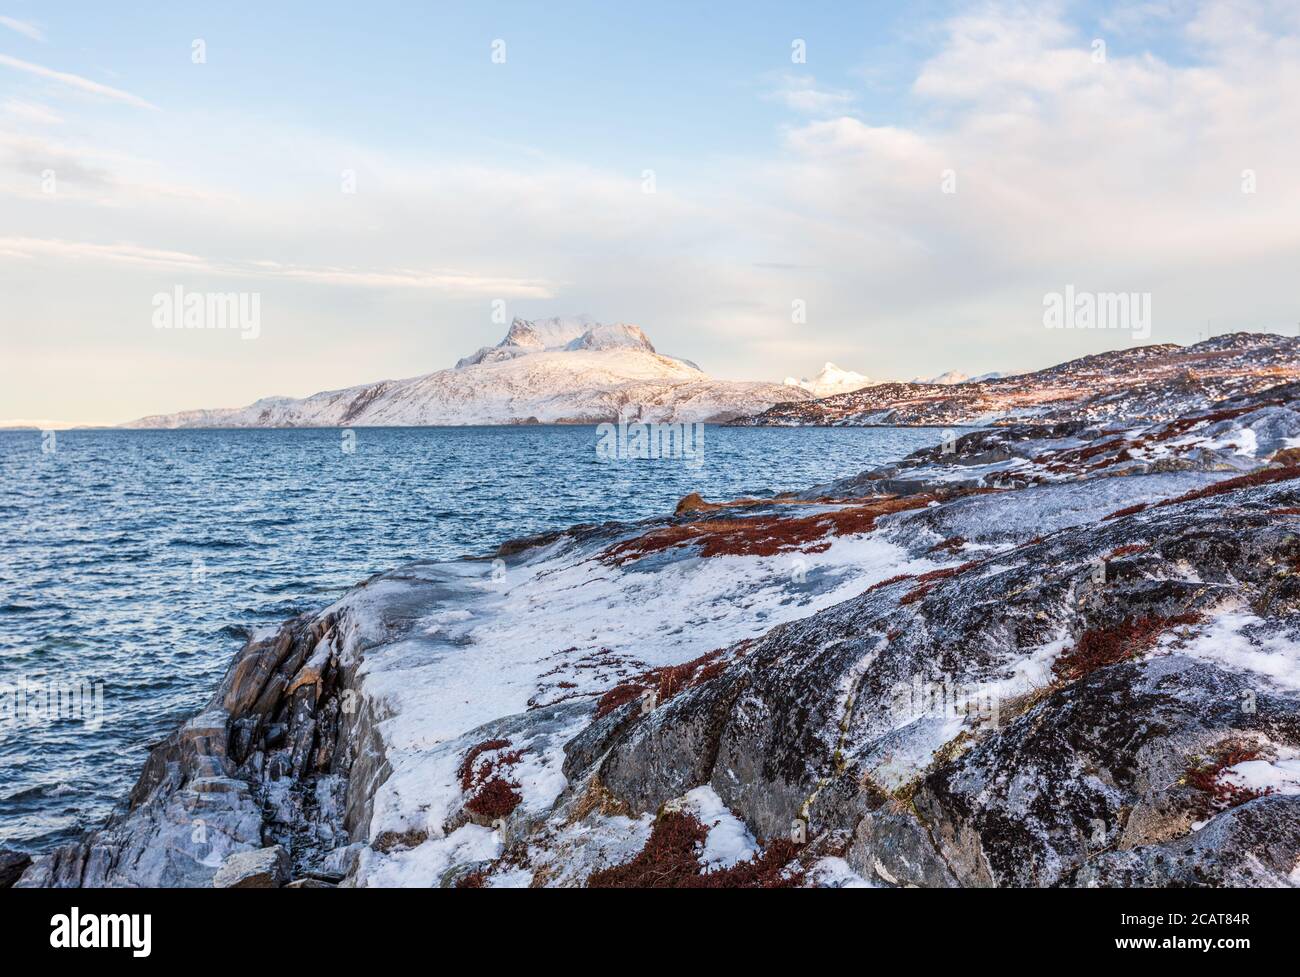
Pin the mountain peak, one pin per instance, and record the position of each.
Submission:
(553, 333)
(620, 335)
(831, 380)
(560, 334)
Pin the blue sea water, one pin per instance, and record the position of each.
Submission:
(141, 559)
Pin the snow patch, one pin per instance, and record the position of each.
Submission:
(729, 841)
(1225, 642)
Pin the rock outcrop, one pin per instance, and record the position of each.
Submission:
(12, 866)
(263, 868)
(1058, 654)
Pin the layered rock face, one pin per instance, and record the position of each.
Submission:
(1059, 654)
(280, 760)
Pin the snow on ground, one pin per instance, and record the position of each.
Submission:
(729, 841)
(834, 873)
(1241, 440)
(1272, 776)
(424, 866)
(1241, 642)
(488, 647)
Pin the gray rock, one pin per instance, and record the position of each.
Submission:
(265, 868)
(891, 844)
(1256, 844)
(12, 866)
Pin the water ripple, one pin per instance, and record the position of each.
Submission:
(142, 559)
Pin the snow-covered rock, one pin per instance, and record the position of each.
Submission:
(549, 371)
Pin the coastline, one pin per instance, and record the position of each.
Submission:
(533, 717)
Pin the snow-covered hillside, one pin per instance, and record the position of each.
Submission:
(549, 371)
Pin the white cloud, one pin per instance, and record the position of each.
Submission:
(802, 94)
(23, 27)
(1121, 173)
(1116, 176)
(31, 112)
(441, 279)
(75, 81)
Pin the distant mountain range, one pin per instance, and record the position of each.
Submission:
(833, 380)
(547, 371)
(1147, 383)
(577, 371)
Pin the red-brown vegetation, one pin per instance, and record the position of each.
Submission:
(466, 769)
(771, 534)
(491, 795)
(664, 682)
(495, 799)
(1131, 510)
(1106, 645)
(1204, 776)
(888, 582)
(1183, 424)
(670, 860)
(1265, 476)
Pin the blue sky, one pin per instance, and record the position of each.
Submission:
(522, 181)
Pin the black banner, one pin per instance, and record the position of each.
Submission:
(143, 927)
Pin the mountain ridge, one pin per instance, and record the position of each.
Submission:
(1143, 383)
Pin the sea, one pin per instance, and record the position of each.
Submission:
(133, 564)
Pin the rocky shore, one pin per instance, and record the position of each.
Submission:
(1058, 653)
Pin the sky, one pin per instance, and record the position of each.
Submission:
(762, 187)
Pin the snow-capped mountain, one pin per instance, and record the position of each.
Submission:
(951, 378)
(831, 380)
(548, 371)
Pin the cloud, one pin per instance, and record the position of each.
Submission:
(30, 112)
(76, 81)
(440, 279)
(1115, 175)
(1127, 170)
(23, 27)
(802, 94)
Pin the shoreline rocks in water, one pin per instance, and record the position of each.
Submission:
(12, 866)
(1061, 654)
